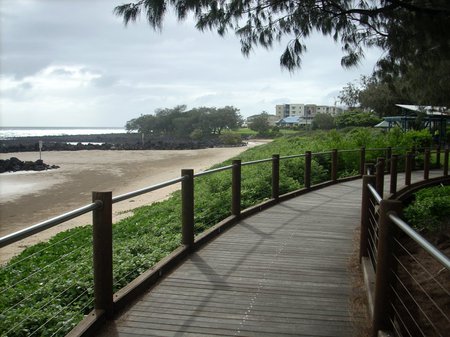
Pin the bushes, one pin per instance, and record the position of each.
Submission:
(430, 209)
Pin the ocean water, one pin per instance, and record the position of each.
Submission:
(14, 132)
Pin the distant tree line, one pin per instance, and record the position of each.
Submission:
(197, 123)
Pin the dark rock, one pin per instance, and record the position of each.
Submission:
(14, 164)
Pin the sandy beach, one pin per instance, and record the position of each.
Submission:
(27, 198)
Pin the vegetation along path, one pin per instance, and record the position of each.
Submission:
(282, 272)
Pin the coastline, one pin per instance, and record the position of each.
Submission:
(27, 198)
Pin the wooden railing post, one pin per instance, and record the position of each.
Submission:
(275, 176)
(334, 164)
(438, 156)
(408, 168)
(388, 159)
(236, 188)
(446, 162)
(102, 252)
(365, 214)
(187, 207)
(308, 169)
(384, 266)
(379, 172)
(426, 164)
(362, 161)
(394, 171)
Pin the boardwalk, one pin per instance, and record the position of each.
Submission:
(282, 272)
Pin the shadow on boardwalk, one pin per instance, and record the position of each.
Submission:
(278, 273)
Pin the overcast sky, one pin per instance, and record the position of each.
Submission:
(73, 63)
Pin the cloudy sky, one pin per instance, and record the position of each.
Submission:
(73, 63)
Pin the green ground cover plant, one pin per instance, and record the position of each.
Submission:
(430, 209)
(48, 287)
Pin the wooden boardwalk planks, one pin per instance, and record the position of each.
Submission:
(282, 272)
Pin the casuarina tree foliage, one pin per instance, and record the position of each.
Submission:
(408, 30)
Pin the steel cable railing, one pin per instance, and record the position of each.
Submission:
(410, 298)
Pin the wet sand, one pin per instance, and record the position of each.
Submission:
(27, 198)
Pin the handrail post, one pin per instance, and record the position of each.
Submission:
(236, 188)
(426, 164)
(362, 161)
(394, 171)
(408, 168)
(380, 176)
(438, 156)
(365, 214)
(334, 164)
(275, 176)
(446, 162)
(102, 253)
(368, 167)
(308, 169)
(384, 265)
(388, 159)
(187, 207)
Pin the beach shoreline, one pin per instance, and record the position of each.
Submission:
(27, 198)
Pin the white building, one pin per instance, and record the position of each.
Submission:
(305, 111)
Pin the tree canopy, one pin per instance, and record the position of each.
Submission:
(408, 30)
(195, 123)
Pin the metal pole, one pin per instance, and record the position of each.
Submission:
(187, 207)
(102, 247)
(236, 188)
(275, 176)
(365, 214)
(307, 169)
(384, 266)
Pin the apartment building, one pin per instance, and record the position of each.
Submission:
(305, 111)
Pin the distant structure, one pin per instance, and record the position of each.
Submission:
(272, 119)
(434, 118)
(302, 114)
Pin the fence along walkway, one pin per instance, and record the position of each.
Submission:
(280, 272)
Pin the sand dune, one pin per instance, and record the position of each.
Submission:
(27, 198)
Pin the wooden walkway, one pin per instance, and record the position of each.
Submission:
(282, 272)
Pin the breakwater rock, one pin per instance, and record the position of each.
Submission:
(14, 165)
(126, 141)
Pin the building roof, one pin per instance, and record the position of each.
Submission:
(429, 109)
(290, 120)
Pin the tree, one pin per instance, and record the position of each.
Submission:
(349, 96)
(323, 121)
(405, 29)
(260, 124)
(356, 118)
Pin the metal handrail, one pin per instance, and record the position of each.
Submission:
(293, 156)
(152, 188)
(257, 161)
(219, 169)
(39, 227)
(444, 260)
(374, 193)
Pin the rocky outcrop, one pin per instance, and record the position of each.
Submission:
(105, 142)
(13, 165)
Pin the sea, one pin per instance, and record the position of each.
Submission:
(14, 132)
